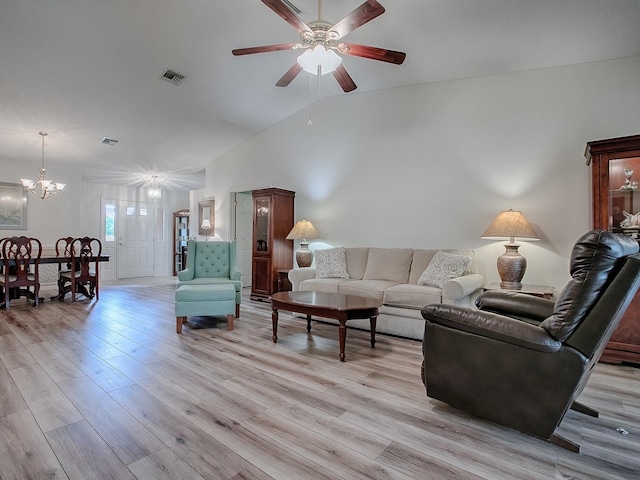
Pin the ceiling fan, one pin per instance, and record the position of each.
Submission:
(321, 41)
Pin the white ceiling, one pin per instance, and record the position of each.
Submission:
(85, 69)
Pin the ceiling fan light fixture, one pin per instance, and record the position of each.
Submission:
(318, 56)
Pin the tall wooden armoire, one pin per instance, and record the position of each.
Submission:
(615, 182)
(272, 222)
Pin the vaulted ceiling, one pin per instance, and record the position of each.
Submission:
(82, 70)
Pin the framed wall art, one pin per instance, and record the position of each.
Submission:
(13, 207)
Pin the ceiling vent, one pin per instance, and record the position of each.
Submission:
(173, 77)
(109, 141)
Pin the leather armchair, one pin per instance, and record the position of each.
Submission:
(521, 361)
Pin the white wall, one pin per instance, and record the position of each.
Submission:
(430, 166)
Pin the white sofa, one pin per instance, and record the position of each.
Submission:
(391, 275)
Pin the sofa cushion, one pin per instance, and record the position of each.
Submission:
(331, 263)
(237, 284)
(442, 267)
(366, 288)
(356, 261)
(422, 258)
(412, 296)
(419, 263)
(329, 285)
(388, 264)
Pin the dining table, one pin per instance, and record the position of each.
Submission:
(49, 256)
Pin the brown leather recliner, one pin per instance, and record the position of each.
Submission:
(521, 361)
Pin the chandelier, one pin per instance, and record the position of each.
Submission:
(154, 192)
(42, 188)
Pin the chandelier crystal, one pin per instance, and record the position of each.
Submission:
(154, 192)
(42, 188)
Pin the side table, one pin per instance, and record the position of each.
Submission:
(284, 285)
(543, 291)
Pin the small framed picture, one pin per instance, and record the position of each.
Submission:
(13, 207)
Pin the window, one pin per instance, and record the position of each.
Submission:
(109, 223)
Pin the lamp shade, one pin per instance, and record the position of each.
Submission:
(328, 60)
(303, 230)
(510, 224)
(206, 225)
(511, 265)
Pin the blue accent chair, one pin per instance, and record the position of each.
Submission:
(212, 263)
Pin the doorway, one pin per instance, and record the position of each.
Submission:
(135, 249)
(242, 224)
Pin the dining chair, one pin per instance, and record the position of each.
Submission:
(63, 249)
(84, 275)
(20, 263)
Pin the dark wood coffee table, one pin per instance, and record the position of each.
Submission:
(337, 306)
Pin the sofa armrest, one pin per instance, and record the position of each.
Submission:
(513, 304)
(456, 289)
(493, 326)
(297, 275)
(185, 275)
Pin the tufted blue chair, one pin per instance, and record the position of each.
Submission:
(212, 263)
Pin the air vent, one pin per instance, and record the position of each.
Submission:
(109, 141)
(292, 6)
(173, 77)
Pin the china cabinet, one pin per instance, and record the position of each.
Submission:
(271, 251)
(615, 183)
(180, 238)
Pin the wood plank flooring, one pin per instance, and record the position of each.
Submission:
(107, 390)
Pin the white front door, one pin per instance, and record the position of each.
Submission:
(135, 239)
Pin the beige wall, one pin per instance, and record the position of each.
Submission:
(430, 166)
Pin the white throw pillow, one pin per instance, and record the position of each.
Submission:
(331, 263)
(442, 267)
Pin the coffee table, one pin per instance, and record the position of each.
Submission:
(337, 306)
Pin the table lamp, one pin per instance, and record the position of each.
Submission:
(511, 265)
(206, 227)
(303, 230)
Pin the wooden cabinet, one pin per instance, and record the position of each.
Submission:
(615, 178)
(271, 251)
(180, 238)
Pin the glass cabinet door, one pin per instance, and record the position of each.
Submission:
(624, 196)
(262, 225)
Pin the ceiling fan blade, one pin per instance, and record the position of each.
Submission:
(287, 14)
(266, 48)
(344, 79)
(290, 75)
(373, 53)
(361, 15)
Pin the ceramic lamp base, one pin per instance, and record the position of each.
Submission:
(304, 256)
(511, 267)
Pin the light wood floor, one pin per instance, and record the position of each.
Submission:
(107, 389)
